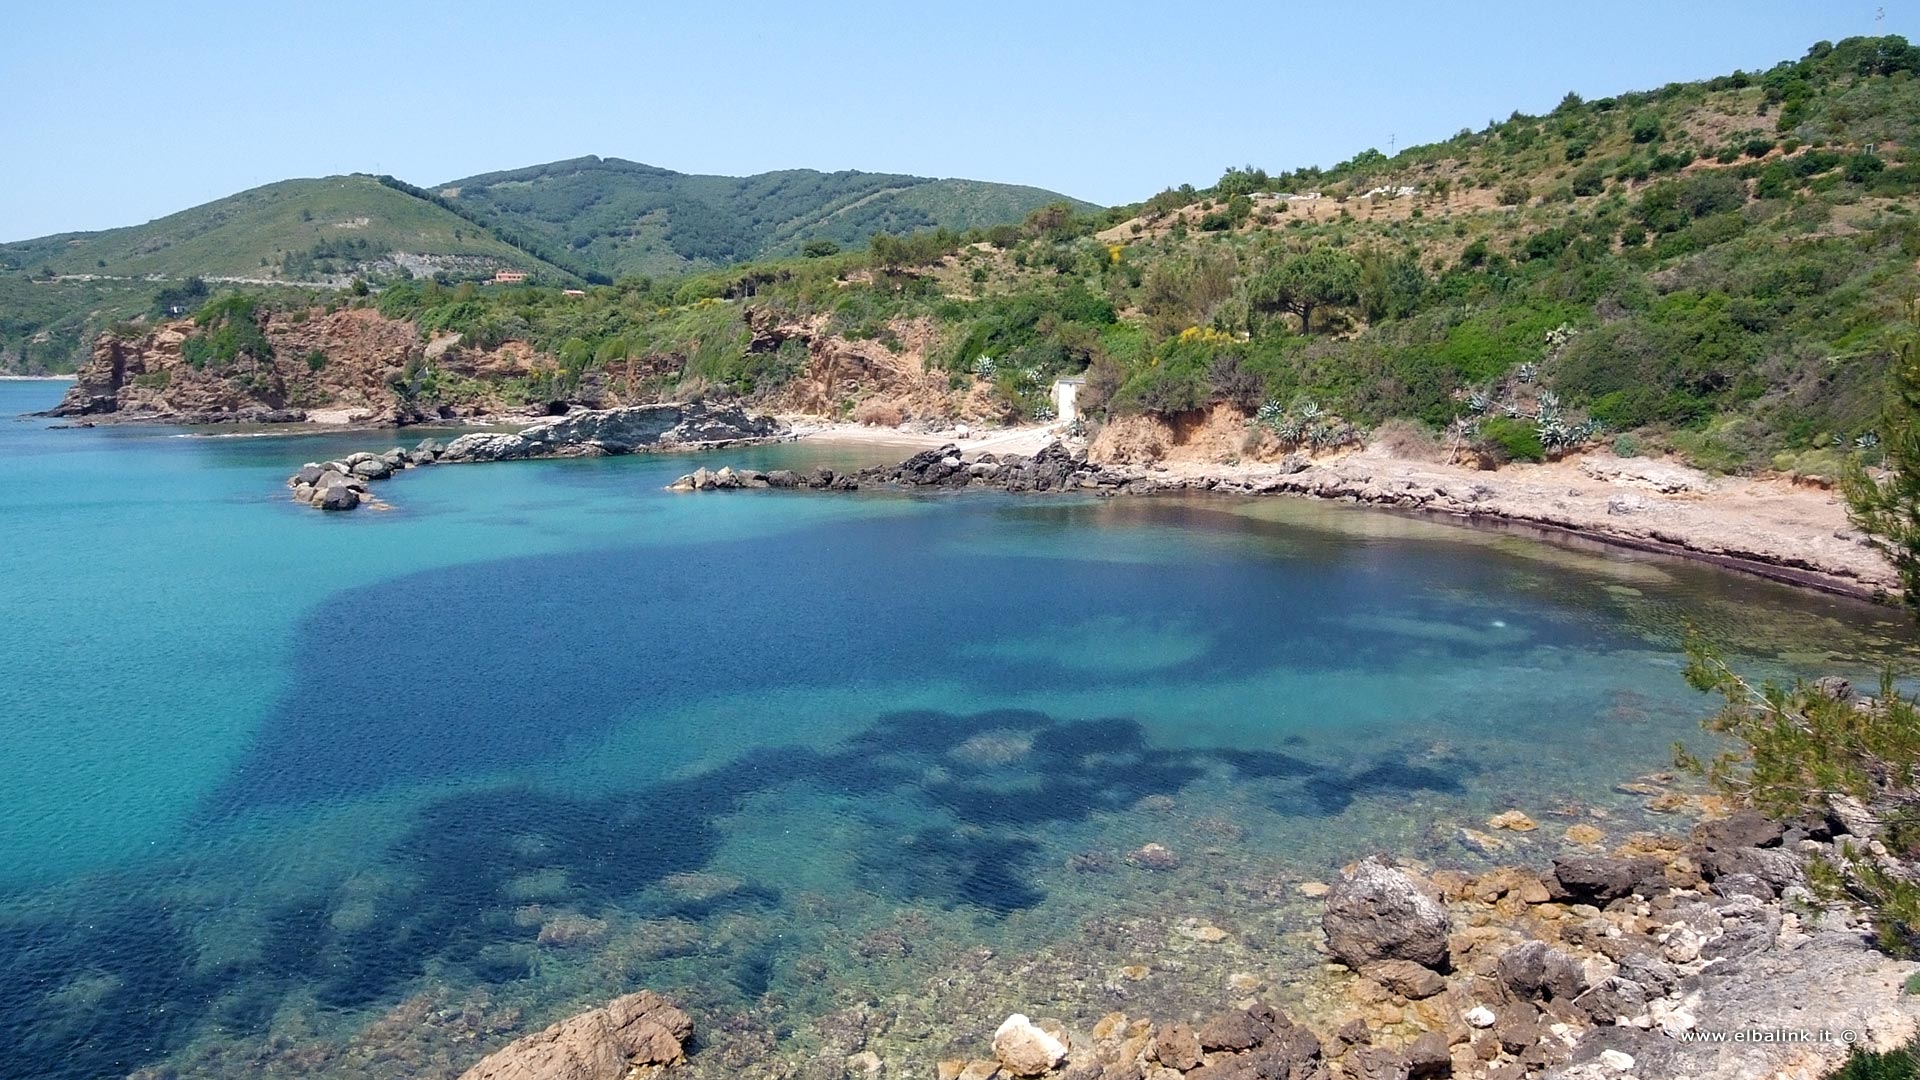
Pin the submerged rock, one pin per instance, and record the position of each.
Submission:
(609, 1043)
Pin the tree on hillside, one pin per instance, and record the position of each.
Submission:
(1887, 508)
(1302, 284)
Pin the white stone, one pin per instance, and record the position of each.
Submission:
(1615, 1060)
(1025, 1049)
(1480, 1016)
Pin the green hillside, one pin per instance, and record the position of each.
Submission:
(293, 230)
(620, 217)
(1719, 268)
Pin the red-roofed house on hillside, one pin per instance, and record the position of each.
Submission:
(509, 277)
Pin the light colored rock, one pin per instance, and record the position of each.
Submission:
(1479, 1016)
(1585, 835)
(1154, 857)
(1484, 843)
(1512, 820)
(1024, 1049)
(605, 1044)
(864, 1064)
(1314, 890)
(1204, 933)
(1617, 1061)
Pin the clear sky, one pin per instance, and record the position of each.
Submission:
(117, 112)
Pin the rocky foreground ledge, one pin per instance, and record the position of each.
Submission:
(1705, 957)
(343, 484)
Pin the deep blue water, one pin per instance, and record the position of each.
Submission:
(266, 768)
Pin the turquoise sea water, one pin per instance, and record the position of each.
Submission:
(545, 732)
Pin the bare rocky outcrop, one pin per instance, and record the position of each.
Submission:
(606, 432)
(634, 1035)
(891, 380)
(342, 484)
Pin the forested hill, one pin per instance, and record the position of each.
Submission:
(569, 223)
(621, 217)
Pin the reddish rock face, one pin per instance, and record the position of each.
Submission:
(606, 1044)
(350, 361)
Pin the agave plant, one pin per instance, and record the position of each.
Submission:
(1330, 433)
(1555, 434)
(1479, 402)
(1549, 401)
(1270, 413)
(1868, 441)
(1527, 372)
(984, 367)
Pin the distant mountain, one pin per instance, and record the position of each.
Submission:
(295, 230)
(585, 218)
(620, 217)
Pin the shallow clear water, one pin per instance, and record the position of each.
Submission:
(546, 732)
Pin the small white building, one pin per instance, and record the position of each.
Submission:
(1066, 394)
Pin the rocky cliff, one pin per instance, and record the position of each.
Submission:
(352, 365)
(356, 366)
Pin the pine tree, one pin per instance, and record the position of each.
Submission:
(1887, 508)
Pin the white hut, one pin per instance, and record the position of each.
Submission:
(1066, 393)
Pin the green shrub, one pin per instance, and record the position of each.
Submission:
(1512, 439)
(229, 329)
(1897, 1064)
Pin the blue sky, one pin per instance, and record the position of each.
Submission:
(115, 113)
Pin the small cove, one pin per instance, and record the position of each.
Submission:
(546, 732)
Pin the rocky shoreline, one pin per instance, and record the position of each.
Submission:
(1797, 536)
(342, 484)
(1705, 956)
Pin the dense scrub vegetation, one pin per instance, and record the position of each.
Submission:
(1718, 267)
